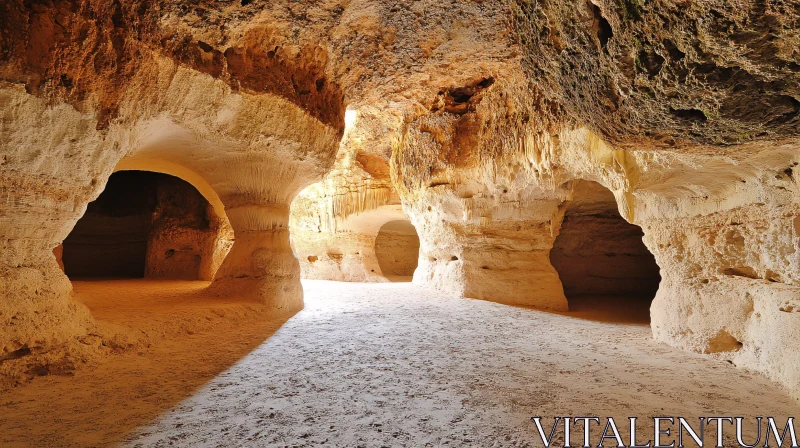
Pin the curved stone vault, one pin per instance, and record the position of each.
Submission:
(309, 125)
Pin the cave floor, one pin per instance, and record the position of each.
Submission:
(386, 364)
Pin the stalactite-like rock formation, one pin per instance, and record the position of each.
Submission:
(481, 122)
(335, 222)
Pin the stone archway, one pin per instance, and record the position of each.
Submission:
(600, 257)
(222, 243)
(347, 253)
(147, 224)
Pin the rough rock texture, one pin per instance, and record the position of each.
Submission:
(188, 240)
(334, 222)
(660, 73)
(479, 119)
(731, 270)
(85, 85)
(486, 223)
(348, 253)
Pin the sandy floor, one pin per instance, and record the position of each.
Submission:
(368, 365)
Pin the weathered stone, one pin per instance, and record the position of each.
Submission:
(310, 125)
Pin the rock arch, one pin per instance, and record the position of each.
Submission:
(179, 171)
(397, 249)
(600, 257)
(256, 151)
(148, 224)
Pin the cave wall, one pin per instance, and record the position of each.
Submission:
(598, 252)
(686, 112)
(731, 287)
(697, 137)
(346, 252)
(61, 140)
(188, 240)
(339, 256)
(397, 249)
(660, 74)
(42, 202)
(111, 238)
(485, 219)
(334, 222)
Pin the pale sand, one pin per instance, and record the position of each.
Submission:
(385, 364)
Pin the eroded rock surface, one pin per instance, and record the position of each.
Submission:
(661, 73)
(477, 121)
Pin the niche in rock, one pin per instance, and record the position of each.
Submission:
(397, 249)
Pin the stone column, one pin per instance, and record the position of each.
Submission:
(261, 265)
(491, 252)
(474, 182)
(52, 163)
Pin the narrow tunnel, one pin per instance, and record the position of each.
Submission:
(397, 250)
(604, 267)
(146, 225)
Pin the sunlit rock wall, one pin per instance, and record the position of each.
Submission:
(488, 112)
(485, 218)
(83, 88)
(334, 222)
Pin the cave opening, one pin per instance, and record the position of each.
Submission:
(146, 225)
(605, 268)
(397, 250)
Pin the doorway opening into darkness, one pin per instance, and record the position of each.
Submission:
(146, 225)
(604, 266)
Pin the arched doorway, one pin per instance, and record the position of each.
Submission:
(147, 225)
(603, 264)
(397, 250)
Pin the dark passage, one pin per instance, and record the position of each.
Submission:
(143, 224)
(601, 259)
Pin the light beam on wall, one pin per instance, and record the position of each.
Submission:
(350, 118)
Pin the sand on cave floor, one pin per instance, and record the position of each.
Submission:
(387, 364)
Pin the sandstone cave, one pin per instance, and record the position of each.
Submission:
(372, 223)
(601, 259)
(397, 249)
(145, 225)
